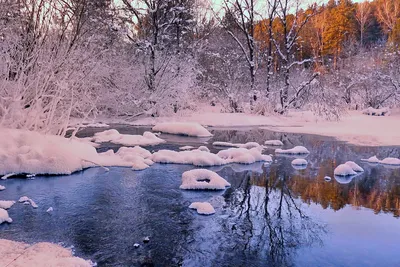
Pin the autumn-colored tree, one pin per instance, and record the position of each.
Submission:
(388, 14)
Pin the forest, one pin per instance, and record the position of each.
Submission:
(63, 59)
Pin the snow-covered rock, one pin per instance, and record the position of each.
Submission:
(247, 145)
(49, 210)
(243, 155)
(376, 112)
(344, 179)
(113, 136)
(186, 148)
(2, 187)
(273, 143)
(182, 128)
(299, 162)
(26, 199)
(372, 160)
(203, 208)
(354, 166)
(203, 179)
(226, 144)
(6, 204)
(4, 217)
(294, 151)
(193, 157)
(40, 254)
(390, 161)
(344, 170)
(327, 178)
(204, 148)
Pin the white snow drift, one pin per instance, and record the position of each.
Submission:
(113, 136)
(297, 150)
(40, 254)
(182, 128)
(203, 179)
(203, 208)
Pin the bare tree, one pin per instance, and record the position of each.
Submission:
(363, 12)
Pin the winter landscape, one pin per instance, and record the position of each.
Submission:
(199, 133)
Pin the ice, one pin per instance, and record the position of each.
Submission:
(273, 143)
(4, 217)
(18, 254)
(26, 199)
(203, 179)
(390, 161)
(293, 151)
(2, 187)
(182, 128)
(203, 208)
(344, 170)
(113, 136)
(354, 166)
(6, 204)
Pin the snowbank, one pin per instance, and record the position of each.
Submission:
(293, 151)
(113, 136)
(204, 208)
(40, 254)
(299, 162)
(182, 128)
(203, 179)
(376, 112)
(273, 143)
(193, 157)
(344, 170)
(4, 218)
(6, 204)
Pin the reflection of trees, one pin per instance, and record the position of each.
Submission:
(270, 220)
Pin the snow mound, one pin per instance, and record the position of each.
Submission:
(203, 179)
(243, 155)
(373, 159)
(354, 166)
(50, 210)
(194, 157)
(4, 218)
(136, 157)
(2, 187)
(186, 148)
(203, 208)
(26, 199)
(204, 148)
(182, 128)
(273, 143)
(344, 170)
(6, 204)
(299, 162)
(327, 178)
(390, 161)
(376, 112)
(293, 151)
(40, 254)
(113, 136)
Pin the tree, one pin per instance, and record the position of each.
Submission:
(363, 12)
(388, 14)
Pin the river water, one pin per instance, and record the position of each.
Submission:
(272, 215)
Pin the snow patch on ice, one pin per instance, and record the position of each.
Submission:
(293, 151)
(203, 208)
(182, 128)
(6, 204)
(203, 179)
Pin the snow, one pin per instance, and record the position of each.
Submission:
(203, 148)
(376, 112)
(354, 166)
(390, 161)
(273, 143)
(193, 157)
(182, 128)
(243, 155)
(6, 204)
(113, 136)
(373, 159)
(95, 125)
(4, 217)
(293, 151)
(203, 179)
(247, 145)
(40, 254)
(344, 170)
(327, 178)
(26, 199)
(2, 187)
(353, 126)
(186, 148)
(299, 162)
(203, 208)
(50, 210)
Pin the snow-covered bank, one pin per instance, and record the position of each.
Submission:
(17, 254)
(354, 127)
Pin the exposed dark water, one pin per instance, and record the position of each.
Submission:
(272, 215)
